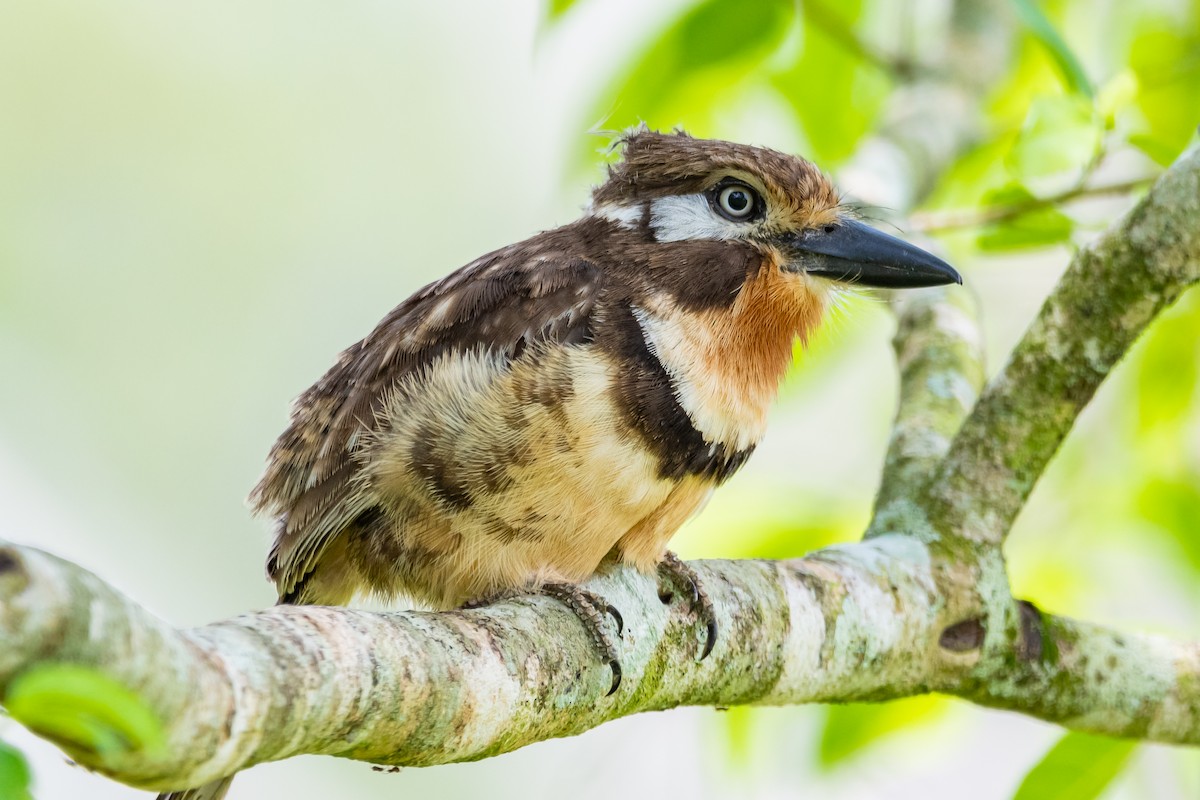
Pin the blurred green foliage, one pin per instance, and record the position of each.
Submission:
(1165, 60)
(1079, 767)
(1090, 97)
(557, 8)
(834, 91)
(14, 775)
(1035, 21)
(83, 710)
(849, 729)
(1040, 227)
(710, 49)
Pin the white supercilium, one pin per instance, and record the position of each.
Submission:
(690, 216)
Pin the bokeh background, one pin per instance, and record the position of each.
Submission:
(202, 203)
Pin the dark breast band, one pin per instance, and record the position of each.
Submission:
(648, 403)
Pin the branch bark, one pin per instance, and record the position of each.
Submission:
(858, 622)
(1113, 289)
(939, 351)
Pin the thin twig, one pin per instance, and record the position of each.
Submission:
(938, 221)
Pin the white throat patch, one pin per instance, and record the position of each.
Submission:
(720, 413)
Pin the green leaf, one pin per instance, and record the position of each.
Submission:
(83, 710)
(712, 47)
(1161, 153)
(1163, 479)
(1165, 57)
(718, 31)
(1010, 194)
(972, 175)
(835, 94)
(1061, 134)
(14, 774)
(1079, 767)
(1045, 226)
(1039, 26)
(851, 728)
(1168, 372)
(1174, 505)
(721, 36)
(1116, 95)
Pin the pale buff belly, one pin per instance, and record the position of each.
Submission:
(547, 480)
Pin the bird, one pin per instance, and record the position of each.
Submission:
(569, 401)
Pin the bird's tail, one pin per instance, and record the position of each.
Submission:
(209, 791)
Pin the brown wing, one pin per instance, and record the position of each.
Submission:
(503, 303)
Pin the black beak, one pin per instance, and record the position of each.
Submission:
(856, 253)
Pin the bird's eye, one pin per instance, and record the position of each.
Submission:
(736, 202)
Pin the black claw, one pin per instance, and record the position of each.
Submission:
(711, 640)
(615, 666)
(588, 607)
(678, 571)
(674, 567)
(617, 618)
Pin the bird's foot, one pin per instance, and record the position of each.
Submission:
(678, 572)
(588, 607)
(494, 597)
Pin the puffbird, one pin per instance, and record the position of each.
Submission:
(571, 400)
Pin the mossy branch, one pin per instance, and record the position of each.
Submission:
(939, 351)
(1089, 677)
(867, 621)
(1112, 291)
(417, 688)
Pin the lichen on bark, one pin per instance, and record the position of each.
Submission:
(1113, 289)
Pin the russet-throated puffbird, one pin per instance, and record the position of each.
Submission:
(572, 399)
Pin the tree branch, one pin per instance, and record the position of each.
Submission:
(860, 622)
(1113, 289)
(1092, 678)
(938, 345)
(939, 351)
(937, 221)
(420, 688)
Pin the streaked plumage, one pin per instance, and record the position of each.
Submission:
(572, 398)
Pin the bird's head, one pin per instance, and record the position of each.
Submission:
(679, 189)
(729, 252)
